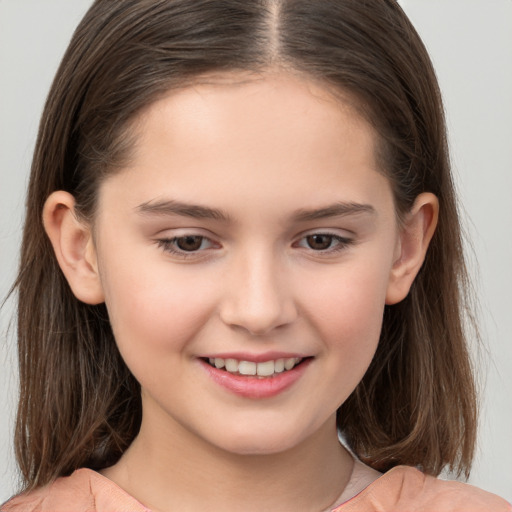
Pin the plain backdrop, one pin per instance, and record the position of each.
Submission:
(470, 42)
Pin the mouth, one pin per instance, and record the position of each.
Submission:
(264, 369)
(263, 377)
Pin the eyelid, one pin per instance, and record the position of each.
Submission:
(343, 241)
(167, 244)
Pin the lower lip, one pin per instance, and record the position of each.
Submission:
(254, 387)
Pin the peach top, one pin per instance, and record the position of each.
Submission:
(402, 489)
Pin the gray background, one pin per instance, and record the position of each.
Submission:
(470, 42)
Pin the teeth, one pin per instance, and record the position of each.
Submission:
(289, 363)
(247, 368)
(279, 366)
(231, 365)
(264, 369)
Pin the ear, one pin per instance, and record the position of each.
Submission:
(415, 236)
(74, 248)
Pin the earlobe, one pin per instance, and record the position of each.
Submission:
(415, 236)
(73, 245)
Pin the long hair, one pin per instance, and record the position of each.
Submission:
(79, 404)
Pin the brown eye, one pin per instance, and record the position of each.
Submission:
(187, 246)
(319, 242)
(189, 243)
(324, 244)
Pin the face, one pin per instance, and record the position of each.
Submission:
(245, 259)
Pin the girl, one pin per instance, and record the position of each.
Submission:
(250, 248)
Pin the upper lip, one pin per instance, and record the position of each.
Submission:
(255, 358)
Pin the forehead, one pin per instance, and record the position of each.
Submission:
(277, 136)
(256, 94)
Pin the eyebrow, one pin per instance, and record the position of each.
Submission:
(336, 210)
(172, 207)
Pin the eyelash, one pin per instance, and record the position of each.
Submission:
(342, 242)
(169, 244)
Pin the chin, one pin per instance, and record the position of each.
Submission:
(258, 442)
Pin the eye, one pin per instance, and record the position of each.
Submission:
(190, 243)
(324, 242)
(185, 245)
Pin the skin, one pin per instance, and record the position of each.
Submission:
(261, 150)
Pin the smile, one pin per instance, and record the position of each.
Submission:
(262, 369)
(268, 377)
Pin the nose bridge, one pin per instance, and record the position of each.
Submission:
(257, 296)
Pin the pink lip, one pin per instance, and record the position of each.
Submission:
(254, 387)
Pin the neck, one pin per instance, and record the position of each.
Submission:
(181, 472)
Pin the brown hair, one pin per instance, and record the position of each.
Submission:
(79, 404)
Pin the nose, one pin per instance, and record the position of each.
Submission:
(258, 297)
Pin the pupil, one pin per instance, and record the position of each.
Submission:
(189, 243)
(319, 242)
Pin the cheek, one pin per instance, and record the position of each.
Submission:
(349, 303)
(347, 310)
(153, 309)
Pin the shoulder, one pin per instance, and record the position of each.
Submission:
(83, 491)
(404, 489)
